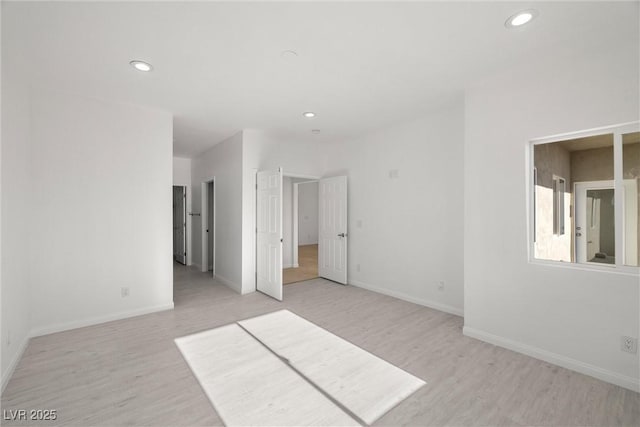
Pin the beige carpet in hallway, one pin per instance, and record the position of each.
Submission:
(308, 262)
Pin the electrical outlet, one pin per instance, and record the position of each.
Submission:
(629, 344)
(358, 268)
(124, 292)
(394, 174)
(441, 286)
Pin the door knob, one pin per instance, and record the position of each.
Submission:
(578, 234)
(342, 235)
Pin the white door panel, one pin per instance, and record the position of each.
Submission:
(269, 233)
(332, 250)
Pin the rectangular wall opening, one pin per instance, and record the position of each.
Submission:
(585, 207)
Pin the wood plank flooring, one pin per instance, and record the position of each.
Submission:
(129, 372)
(308, 262)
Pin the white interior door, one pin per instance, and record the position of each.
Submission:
(332, 232)
(180, 224)
(211, 253)
(269, 233)
(591, 228)
(175, 226)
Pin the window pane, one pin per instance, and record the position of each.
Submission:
(573, 179)
(630, 175)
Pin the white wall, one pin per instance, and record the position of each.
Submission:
(16, 216)
(264, 151)
(182, 177)
(308, 214)
(224, 163)
(568, 316)
(101, 203)
(181, 171)
(405, 233)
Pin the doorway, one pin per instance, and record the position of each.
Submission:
(595, 222)
(180, 224)
(269, 240)
(300, 230)
(208, 227)
(595, 219)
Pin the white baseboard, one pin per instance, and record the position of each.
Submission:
(556, 359)
(6, 376)
(60, 327)
(229, 283)
(400, 295)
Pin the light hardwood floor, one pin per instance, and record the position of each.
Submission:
(129, 372)
(308, 266)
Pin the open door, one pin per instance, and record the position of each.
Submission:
(269, 233)
(595, 222)
(180, 224)
(332, 232)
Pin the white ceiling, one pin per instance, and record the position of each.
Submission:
(360, 66)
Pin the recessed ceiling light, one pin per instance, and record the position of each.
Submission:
(309, 114)
(141, 65)
(521, 18)
(316, 131)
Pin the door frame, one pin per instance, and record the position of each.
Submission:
(204, 222)
(185, 225)
(295, 219)
(294, 238)
(255, 214)
(582, 246)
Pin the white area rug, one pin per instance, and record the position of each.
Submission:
(249, 386)
(363, 383)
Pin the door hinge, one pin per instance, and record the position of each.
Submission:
(256, 186)
(185, 254)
